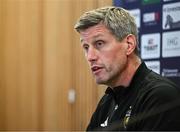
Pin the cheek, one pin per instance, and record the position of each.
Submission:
(110, 60)
(115, 60)
(116, 55)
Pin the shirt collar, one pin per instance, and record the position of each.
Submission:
(139, 75)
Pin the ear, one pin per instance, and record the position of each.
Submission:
(131, 41)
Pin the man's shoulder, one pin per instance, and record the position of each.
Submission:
(157, 82)
(158, 88)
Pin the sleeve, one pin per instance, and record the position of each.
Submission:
(160, 109)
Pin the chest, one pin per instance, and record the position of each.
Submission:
(117, 113)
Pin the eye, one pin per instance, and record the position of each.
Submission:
(85, 47)
(99, 44)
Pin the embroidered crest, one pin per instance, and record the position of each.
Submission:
(127, 116)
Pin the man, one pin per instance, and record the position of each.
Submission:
(136, 98)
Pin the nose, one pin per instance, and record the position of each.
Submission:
(91, 55)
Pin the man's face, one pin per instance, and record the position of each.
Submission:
(105, 55)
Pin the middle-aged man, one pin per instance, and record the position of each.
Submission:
(136, 98)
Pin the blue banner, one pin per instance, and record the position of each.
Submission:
(158, 22)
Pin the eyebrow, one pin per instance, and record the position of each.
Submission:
(94, 37)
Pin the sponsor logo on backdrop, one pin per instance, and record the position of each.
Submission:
(170, 72)
(171, 44)
(153, 65)
(137, 15)
(171, 19)
(150, 19)
(145, 2)
(150, 46)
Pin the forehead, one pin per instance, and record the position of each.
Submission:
(94, 32)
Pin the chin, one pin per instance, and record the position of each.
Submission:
(98, 81)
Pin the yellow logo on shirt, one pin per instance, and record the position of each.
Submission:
(127, 116)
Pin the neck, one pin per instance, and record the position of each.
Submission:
(128, 73)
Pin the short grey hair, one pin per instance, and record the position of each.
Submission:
(116, 19)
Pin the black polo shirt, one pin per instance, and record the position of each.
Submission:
(151, 102)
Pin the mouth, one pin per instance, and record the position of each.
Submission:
(96, 69)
